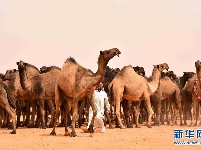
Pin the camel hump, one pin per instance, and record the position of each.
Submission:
(71, 59)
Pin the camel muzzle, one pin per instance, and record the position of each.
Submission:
(118, 53)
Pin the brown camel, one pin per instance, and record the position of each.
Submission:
(39, 86)
(197, 95)
(77, 82)
(12, 79)
(128, 85)
(7, 103)
(191, 99)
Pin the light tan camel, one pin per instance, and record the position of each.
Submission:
(130, 86)
(77, 82)
(167, 92)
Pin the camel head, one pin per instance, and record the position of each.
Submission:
(187, 75)
(198, 64)
(43, 69)
(21, 64)
(1, 75)
(116, 70)
(10, 74)
(139, 70)
(108, 54)
(161, 67)
(198, 71)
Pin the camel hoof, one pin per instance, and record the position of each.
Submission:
(111, 127)
(53, 133)
(73, 135)
(13, 132)
(137, 127)
(3, 126)
(149, 126)
(91, 129)
(123, 127)
(30, 126)
(129, 126)
(181, 124)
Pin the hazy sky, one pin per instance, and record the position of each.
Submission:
(147, 32)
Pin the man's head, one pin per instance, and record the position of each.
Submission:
(100, 87)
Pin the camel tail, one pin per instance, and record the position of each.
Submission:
(9, 98)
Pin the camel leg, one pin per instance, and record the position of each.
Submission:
(27, 106)
(126, 108)
(5, 119)
(163, 112)
(137, 113)
(118, 113)
(1, 115)
(33, 113)
(18, 112)
(51, 107)
(42, 112)
(4, 103)
(167, 110)
(74, 117)
(58, 102)
(80, 121)
(62, 113)
(158, 112)
(66, 117)
(149, 110)
(91, 126)
(194, 111)
(197, 112)
(180, 112)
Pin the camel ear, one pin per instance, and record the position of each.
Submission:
(101, 52)
(158, 66)
(25, 64)
(14, 70)
(17, 63)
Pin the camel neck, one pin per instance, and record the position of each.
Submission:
(156, 75)
(23, 78)
(102, 63)
(198, 72)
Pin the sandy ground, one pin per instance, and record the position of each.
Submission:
(155, 138)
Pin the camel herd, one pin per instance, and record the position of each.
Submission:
(30, 95)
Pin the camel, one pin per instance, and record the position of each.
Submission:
(191, 99)
(128, 85)
(7, 103)
(184, 78)
(129, 106)
(167, 92)
(197, 95)
(12, 79)
(39, 86)
(77, 82)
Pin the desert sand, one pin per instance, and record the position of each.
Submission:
(155, 138)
